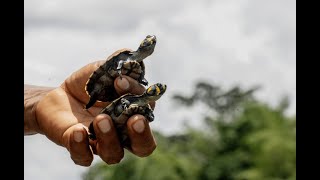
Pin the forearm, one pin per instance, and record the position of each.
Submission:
(32, 95)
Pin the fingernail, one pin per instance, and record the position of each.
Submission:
(138, 126)
(123, 83)
(104, 125)
(78, 136)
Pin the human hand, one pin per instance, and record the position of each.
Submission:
(61, 117)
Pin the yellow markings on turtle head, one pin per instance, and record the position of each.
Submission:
(150, 40)
(154, 90)
(149, 90)
(157, 90)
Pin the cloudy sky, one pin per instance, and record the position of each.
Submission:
(228, 42)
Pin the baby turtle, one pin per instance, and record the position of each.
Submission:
(126, 106)
(122, 62)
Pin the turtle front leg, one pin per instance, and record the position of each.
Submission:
(149, 114)
(130, 111)
(120, 64)
(144, 81)
(125, 104)
(134, 70)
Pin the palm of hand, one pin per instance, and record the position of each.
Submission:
(66, 105)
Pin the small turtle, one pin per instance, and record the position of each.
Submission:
(122, 62)
(126, 106)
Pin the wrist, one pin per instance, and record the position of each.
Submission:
(32, 96)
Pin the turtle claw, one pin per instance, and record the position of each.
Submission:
(124, 104)
(150, 117)
(120, 74)
(119, 68)
(144, 82)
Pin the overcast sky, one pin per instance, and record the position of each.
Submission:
(228, 42)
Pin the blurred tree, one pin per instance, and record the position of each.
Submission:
(242, 138)
(218, 100)
(164, 163)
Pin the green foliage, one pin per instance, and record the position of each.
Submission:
(243, 139)
(164, 163)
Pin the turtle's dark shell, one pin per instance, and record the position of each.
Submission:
(120, 115)
(100, 85)
(122, 108)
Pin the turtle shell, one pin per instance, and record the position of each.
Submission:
(100, 85)
(122, 108)
(120, 115)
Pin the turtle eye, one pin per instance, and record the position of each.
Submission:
(144, 43)
(148, 41)
(162, 88)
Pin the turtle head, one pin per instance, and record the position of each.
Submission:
(154, 92)
(148, 44)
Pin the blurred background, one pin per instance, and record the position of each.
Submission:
(230, 67)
